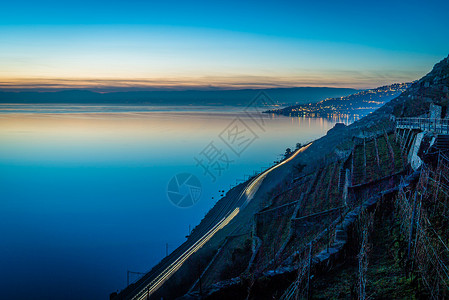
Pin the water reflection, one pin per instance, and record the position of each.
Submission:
(83, 188)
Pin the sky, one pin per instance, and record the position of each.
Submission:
(232, 44)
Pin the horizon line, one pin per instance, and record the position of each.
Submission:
(197, 84)
(118, 89)
(170, 88)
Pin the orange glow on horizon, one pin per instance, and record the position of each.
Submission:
(181, 83)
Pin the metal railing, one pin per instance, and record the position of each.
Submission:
(426, 124)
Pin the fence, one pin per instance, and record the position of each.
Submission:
(366, 221)
(426, 124)
(300, 288)
(427, 250)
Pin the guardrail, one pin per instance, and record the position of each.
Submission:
(426, 124)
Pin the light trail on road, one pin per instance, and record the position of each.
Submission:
(161, 278)
(249, 192)
(253, 187)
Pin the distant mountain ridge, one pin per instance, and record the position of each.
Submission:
(189, 97)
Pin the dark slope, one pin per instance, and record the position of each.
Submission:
(338, 278)
(415, 101)
(360, 104)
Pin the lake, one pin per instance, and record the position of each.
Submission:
(83, 189)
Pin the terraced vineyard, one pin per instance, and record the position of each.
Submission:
(280, 226)
(375, 159)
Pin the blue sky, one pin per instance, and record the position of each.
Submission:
(225, 44)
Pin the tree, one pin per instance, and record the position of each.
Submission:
(298, 145)
(288, 152)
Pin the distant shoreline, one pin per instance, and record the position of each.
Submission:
(242, 97)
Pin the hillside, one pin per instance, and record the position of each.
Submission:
(358, 104)
(362, 213)
(342, 228)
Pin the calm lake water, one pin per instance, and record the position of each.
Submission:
(83, 189)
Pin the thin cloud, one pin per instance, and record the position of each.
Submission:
(352, 79)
